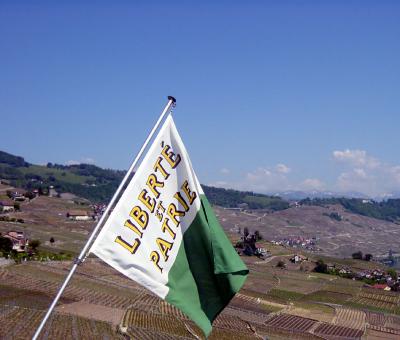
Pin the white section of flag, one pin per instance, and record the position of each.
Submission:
(139, 266)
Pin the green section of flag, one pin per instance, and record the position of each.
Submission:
(207, 271)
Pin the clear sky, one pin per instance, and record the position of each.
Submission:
(272, 95)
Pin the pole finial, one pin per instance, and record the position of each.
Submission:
(172, 98)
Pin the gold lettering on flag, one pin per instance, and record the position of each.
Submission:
(168, 214)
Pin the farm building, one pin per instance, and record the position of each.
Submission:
(345, 271)
(79, 215)
(298, 258)
(6, 206)
(18, 240)
(52, 191)
(381, 286)
(18, 196)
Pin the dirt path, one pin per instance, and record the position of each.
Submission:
(92, 311)
(269, 259)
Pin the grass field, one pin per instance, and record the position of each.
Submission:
(59, 174)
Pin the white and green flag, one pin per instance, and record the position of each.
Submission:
(163, 234)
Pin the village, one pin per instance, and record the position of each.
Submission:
(309, 244)
(376, 278)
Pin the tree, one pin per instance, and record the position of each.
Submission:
(392, 273)
(335, 216)
(368, 257)
(258, 236)
(34, 244)
(281, 264)
(357, 255)
(52, 240)
(30, 195)
(5, 244)
(321, 267)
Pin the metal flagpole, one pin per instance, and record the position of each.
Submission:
(171, 103)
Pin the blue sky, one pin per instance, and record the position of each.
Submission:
(272, 95)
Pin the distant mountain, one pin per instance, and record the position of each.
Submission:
(300, 195)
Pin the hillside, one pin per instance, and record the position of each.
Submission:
(98, 185)
(388, 210)
(336, 231)
(279, 303)
(85, 180)
(290, 303)
(229, 198)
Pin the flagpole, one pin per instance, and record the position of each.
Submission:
(171, 103)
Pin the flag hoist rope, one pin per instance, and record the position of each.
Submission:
(168, 108)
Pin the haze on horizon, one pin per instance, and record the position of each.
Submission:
(272, 96)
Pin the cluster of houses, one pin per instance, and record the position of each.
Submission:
(309, 244)
(379, 278)
(18, 239)
(98, 210)
(247, 246)
(385, 281)
(8, 205)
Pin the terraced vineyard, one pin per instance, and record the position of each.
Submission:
(136, 322)
(21, 323)
(378, 332)
(380, 301)
(334, 331)
(351, 318)
(100, 303)
(291, 322)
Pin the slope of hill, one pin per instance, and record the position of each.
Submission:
(229, 198)
(388, 210)
(290, 303)
(97, 184)
(85, 180)
(336, 231)
(274, 303)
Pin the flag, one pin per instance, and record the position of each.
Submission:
(163, 234)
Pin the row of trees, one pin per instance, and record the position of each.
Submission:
(230, 198)
(359, 256)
